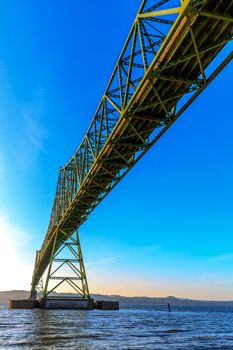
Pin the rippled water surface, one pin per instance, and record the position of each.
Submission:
(128, 328)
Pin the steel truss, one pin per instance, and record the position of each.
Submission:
(163, 67)
(66, 266)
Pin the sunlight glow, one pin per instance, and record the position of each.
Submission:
(15, 269)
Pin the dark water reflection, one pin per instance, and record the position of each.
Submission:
(129, 328)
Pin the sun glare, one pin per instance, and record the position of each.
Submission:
(15, 272)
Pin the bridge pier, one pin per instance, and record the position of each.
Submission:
(66, 303)
(22, 304)
(65, 271)
(63, 303)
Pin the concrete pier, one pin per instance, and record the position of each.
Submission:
(21, 304)
(64, 303)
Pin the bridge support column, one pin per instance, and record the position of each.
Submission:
(66, 271)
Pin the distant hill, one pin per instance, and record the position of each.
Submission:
(23, 294)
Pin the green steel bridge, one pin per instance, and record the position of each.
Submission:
(168, 59)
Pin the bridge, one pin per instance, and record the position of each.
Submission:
(168, 59)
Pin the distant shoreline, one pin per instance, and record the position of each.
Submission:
(23, 294)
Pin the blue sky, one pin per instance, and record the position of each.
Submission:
(166, 229)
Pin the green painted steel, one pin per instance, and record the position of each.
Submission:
(75, 275)
(162, 68)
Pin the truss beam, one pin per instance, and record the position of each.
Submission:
(217, 16)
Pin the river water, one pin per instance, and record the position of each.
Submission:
(132, 327)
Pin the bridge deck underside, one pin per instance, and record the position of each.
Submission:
(159, 94)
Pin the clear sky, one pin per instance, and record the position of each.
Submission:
(166, 229)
